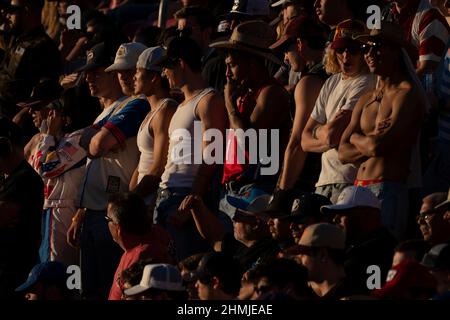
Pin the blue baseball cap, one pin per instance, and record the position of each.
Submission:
(51, 272)
(251, 203)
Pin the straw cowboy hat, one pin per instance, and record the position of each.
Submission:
(390, 33)
(254, 37)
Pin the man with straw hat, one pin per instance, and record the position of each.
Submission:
(385, 125)
(254, 100)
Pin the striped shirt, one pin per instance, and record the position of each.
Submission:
(426, 29)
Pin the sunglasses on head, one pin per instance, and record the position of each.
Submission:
(365, 48)
(350, 50)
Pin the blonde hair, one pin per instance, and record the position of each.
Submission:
(331, 64)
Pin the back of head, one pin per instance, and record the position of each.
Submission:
(284, 275)
(130, 213)
(226, 269)
(203, 16)
(187, 50)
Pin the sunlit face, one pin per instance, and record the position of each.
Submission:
(204, 290)
(279, 229)
(100, 82)
(328, 10)
(112, 225)
(430, 223)
(294, 58)
(350, 61)
(379, 57)
(237, 68)
(142, 81)
(38, 115)
(126, 81)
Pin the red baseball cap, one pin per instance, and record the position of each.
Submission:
(346, 32)
(406, 276)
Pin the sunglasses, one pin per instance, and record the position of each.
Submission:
(427, 215)
(108, 219)
(375, 46)
(350, 50)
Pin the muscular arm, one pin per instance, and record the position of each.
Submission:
(327, 135)
(399, 130)
(306, 93)
(211, 111)
(426, 66)
(160, 127)
(349, 153)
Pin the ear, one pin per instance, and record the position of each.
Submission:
(299, 44)
(215, 283)
(322, 255)
(446, 216)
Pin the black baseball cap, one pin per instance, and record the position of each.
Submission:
(280, 204)
(307, 206)
(181, 48)
(100, 55)
(438, 257)
(43, 93)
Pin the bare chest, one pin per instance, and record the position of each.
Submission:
(379, 109)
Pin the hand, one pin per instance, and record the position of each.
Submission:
(183, 214)
(21, 116)
(73, 233)
(191, 202)
(69, 81)
(55, 122)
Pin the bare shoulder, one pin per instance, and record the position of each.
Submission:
(310, 82)
(405, 93)
(211, 101)
(274, 92)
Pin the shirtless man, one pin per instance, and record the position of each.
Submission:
(384, 127)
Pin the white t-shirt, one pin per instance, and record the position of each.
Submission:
(339, 94)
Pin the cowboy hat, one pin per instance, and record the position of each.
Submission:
(254, 37)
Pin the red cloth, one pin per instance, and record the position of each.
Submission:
(232, 170)
(155, 246)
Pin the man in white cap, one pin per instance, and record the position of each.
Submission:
(125, 65)
(368, 242)
(153, 135)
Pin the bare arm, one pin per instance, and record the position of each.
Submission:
(349, 153)
(306, 93)
(208, 225)
(319, 137)
(426, 66)
(211, 111)
(406, 117)
(101, 143)
(160, 128)
(268, 112)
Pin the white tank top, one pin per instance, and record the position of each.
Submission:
(185, 138)
(145, 141)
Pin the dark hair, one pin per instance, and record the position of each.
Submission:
(133, 274)
(130, 212)
(186, 49)
(148, 35)
(281, 272)
(202, 15)
(418, 246)
(225, 268)
(191, 262)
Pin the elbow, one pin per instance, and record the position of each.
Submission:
(95, 150)
(305, 143)
(342, 155)
(373, 149)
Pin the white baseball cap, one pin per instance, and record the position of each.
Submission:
(149, 56)
(126, 56)
(281, 2)
(158, 276)
(352, 197)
